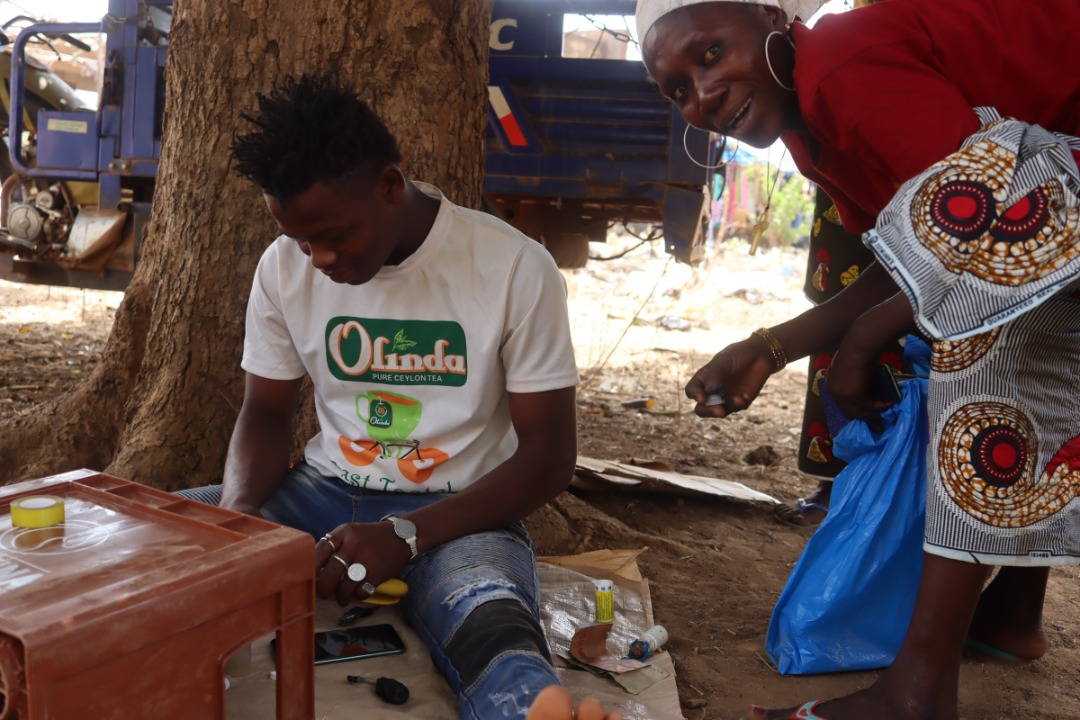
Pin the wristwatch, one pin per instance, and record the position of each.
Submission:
(404, 529)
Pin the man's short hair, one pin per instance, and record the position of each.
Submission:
(312, 129)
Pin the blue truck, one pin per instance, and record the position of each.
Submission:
(577, 141)
(578, 137)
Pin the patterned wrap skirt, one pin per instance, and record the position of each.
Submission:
(986, 246)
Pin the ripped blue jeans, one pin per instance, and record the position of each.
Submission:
(474, 601)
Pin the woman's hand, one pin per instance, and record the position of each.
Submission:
(736, 374)
(374, 545)
(857, 358)
(848, 382)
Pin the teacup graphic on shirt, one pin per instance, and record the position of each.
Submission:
(390, 417)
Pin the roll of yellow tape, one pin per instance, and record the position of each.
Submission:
(37, 511)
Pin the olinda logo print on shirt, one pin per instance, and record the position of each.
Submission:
(394, 352)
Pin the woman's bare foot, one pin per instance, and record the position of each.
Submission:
(922, 682)
(1008, 618)
(874, 702)
(555, 703)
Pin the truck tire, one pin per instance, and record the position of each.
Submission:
(570, 250)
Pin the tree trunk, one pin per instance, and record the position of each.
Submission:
(160, 406)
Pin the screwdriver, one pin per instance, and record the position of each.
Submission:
(388, 689)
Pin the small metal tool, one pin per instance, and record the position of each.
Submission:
(715, 396)
(353, 614)
(386, 688)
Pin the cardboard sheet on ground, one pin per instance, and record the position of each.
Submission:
(592, 473)
(567, 600)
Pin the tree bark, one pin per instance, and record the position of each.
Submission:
(160, 406)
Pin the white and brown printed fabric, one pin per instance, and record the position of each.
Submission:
(986, 246)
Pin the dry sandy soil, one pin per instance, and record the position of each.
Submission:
(642, 325)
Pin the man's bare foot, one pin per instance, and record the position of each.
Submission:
(1008, 619)
(808, 511)
(555, 703)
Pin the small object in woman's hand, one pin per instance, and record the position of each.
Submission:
(715, 396)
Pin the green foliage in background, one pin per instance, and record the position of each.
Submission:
(792, 209)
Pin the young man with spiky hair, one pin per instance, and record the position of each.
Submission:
(437, 341)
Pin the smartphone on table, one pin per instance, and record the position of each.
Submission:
(354, 643)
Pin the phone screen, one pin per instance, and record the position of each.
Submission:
(333, 646)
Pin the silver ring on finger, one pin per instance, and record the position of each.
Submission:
(356, 572)
(330, 541)
(341, 560)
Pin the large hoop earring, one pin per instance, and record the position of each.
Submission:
(769, 62)
(723, 149)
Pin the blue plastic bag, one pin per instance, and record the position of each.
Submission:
(849, 599)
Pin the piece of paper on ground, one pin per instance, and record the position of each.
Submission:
(590, 473)
(567, 599)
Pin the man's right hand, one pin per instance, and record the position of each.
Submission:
(738, 372)
(373, 544)
(259, 448)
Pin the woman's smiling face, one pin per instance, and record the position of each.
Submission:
(709, 60)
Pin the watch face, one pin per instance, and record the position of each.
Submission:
(404, 528)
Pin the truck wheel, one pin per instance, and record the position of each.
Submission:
(570, 250)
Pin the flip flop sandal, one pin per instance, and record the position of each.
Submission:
(805, 711)
(992, 651)
(803, 507)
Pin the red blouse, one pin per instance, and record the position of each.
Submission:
(887, 90)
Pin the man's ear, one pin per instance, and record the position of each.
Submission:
(390, 185)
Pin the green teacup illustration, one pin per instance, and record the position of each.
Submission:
(390, 417)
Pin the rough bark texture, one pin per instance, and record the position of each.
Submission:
(160, 407)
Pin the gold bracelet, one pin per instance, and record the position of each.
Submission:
(779, 358)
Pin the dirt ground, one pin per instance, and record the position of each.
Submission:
(642, 325)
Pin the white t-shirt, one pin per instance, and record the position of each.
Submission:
(411, 369)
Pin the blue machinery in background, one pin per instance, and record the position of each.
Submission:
(573, 145)
(76, 214)
(124, 137)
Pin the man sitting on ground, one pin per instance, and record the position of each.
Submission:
(437, 341)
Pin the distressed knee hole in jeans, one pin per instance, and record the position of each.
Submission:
(479, 588)
(492, 631)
